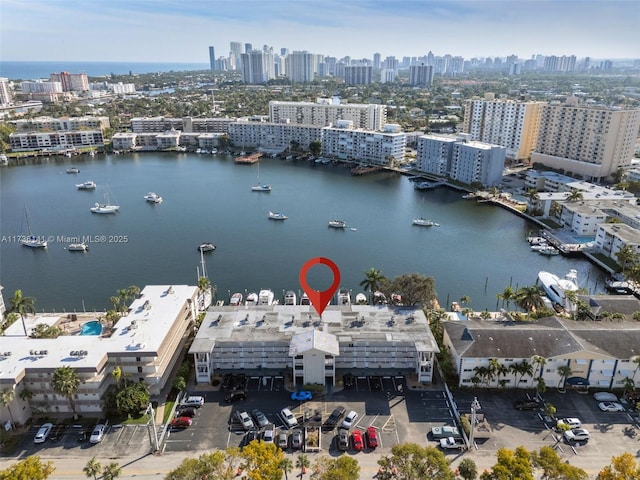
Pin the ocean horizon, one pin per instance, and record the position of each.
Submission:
(31, 70)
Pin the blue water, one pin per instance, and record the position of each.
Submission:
(91, 328)
(15, 70)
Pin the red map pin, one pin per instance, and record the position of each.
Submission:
(319, 299)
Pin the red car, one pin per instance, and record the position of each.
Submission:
(372, 437)
(356, 439)
(181, 422)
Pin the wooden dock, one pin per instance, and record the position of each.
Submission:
(365, 170)
(249, 159)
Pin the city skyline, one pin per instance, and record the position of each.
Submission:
(169, 31)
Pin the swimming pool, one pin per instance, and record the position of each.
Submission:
(584, 239)
(91, 328)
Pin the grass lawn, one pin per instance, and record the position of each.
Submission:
(168, 407)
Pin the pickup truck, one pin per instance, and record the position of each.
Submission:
(450, 443)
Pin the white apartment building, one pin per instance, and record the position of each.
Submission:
(55, 140)
(269, 136)
(294, 339)
(40, 86)
(611, 237)
(6, 95)
(434, 153)
(351, 144)
(513, 125)
(186, 124)
(588, 141)
(327, 112)
(145, 343)
(124, 141)
(41, 124)
(122, 88)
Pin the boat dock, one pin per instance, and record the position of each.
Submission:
(362, 170)
(249, 159)
(427, 185)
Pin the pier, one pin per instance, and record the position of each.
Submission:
(249, 159)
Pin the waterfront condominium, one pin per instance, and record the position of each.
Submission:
(514, 125)
(328, 111)
(379, 148)
(588, 141)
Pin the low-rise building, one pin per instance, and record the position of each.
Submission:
(55, 140)
(271, 136)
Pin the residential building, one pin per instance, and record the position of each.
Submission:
(71, 82)
(345, 142)
(434, 153)
(39, 86)
(254, 67)
(55, 140)
(6, 95)
(270, 136)
(47, 124)
(328, 111)
(299, 66)
(612, 237)
(124, 141)
(590, 141)
(421, 75)
(235, 53)
(313, 349)
(358, 75)
(212, 59)
(513, 125)
(186, 124)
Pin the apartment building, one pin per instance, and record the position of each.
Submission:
(6, 95)
(55, 140)
(269, 136)
(124, 141)
(612, 237)
(145, 343)
(48, 124)
(71, 82)
(358, 75)
(513, 125)
(345, 142)
(294, 339)
(327, 111)
(588, 141)
(186, 124)
(421, 75)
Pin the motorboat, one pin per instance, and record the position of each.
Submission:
(261, 188)
(539, 246)
(277, 216)
(536, 240)
(73, 170)
(252, 299)
(88, 185)
(304, 300)
(29, 239)
(337, 224)
(343, 297)
(206, 247)
(549, 250)
(556, 287)
(423, 222)
(361, 299)
(78, 247)
(153, 197)
(290, 298)
(236, 299)
(265, 297)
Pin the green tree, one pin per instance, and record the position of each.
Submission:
(627, 255)
(415, 289)
(467, 469)
(554, 467)
(22, 306)
(556, 209)
(111, 471)
(507, 296)
(529, 298)
(342, 468)
(564, 371)
(302, 462)
(411, 461)
(520, 369)
(575, 195)
(623, 467)
(287, 467)
(6, 397)
(65, 381)
(129, 399)
(117, 374)
(93, 468)
(42, 330)
(31, 468)
(221, 465)
(511, 465)
(315, 147)
(261, 461)
(372, 280)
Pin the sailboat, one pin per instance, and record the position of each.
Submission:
(260, 187)
(30, 240)
(105, 207)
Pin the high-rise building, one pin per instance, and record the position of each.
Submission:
(71, 82)
(212, 58)
(235, 55)
(514, 125)
(247, 47)
(328, 111)
(376, 60)
(421, 75)
(358, 75)
(5, 92)
(387, 76)
(254, 67)
(300, 66)
(592, 142)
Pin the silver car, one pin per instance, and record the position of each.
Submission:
(43, 433)
(244, 418)
(261, 418)
(283, 440)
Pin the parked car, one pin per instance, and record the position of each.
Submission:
(43, 433)
(376, 383)
(181, 422)
(98, 433)
(371, 436)
(227, 378)
(244, 418)
(349, 419)
(605, 397)
(610, 407)
(269, 434)
(187, 412)
(289, 419)
(195, 402)
(526, 405)
(577, 435)
(335, 417)
(356, 438)
(343, 440)
(235, 395)
(251, 436)
(571, 422)
(296, 439)
(348, 381)
(283, 440)
(261, 418)
(301, 396)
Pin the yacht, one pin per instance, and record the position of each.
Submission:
(361, 299)
(549, 250)
(277, 216)
(29, 239)
(290, 298)
(337, 224)
(305, 299)
(423, 222)
(153, 197)
(206, 247)
(555, 287)
(343, 297)
(88, 185)
(252, 299)
(261, 188)
(73, 170)
(236, 299)
(78, 247)
(265, 297)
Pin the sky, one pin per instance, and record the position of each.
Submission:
(182, 30)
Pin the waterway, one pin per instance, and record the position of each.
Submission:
(477, 250)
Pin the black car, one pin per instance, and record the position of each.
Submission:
(227, 378)
(526, 405)
(239, 382)
(234, 396)
(376, 384)
(335, 417)
(348, 381)
(186, 412)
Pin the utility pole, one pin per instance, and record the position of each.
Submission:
(475, 405)
(152, 421)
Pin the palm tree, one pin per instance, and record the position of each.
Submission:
(111, 471)
(464, 300)
(575, 195)
(540, 362)
(302, 462)
(65, 381)
(507, 295)
(564, 371)
(625, 255)
(556, 209)
(494, 369)
(372, 280)
(22, 306)
(636, 360)
(529, 298)
(117, 374)
(521, 369)
(287, 466)
(6, 397)
(93, 468)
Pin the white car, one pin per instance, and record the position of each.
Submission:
(43, 433)
(97, 434)
(571, 422)
(349, 419)
(577, 435)
(195, 402)
(245, 420)
(289, 419)
(610, 407)
(605, 397)
(269, 435)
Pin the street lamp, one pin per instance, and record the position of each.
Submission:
(475, 405)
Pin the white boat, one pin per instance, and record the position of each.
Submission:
(105, 207)
(290, 298)
(236, 299)
(277, 216)
(539, 246)
(361, 299)
(337, 224)
(260, 187)
(556, 287)
(549, 250)
(73, 169)
(536, 240)
(304, 300)
(423, 222)
(153, 197)
(206, 247)
(88, 185)
(343, 297)
(265, 297)
(78, 247)
(30, 240)
(252, 299)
